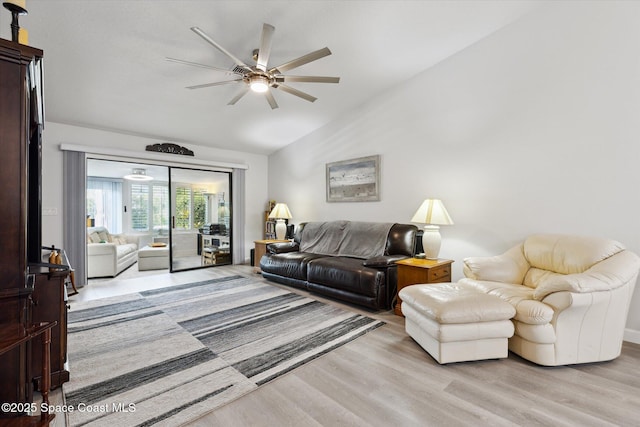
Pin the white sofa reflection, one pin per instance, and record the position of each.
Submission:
(109, 254)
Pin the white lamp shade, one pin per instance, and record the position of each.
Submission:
(280, 211)
(432, 211)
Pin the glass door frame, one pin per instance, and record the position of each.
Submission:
(173, 241)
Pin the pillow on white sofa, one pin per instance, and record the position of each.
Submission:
(119, 240)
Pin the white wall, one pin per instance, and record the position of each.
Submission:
(52, 174)
(534, 129)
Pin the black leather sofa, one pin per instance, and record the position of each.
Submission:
(356, 266)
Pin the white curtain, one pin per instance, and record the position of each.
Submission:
(238, 215)
(104, 203)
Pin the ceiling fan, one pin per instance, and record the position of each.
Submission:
(259, 78)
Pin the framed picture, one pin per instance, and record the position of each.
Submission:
(355, 180)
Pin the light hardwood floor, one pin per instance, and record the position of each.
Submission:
(385, 379)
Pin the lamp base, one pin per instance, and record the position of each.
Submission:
(431, 241)
(281, 229)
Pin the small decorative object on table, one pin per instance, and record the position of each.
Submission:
(16, 7)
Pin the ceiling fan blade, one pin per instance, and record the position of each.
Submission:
(271, 99)
(195, 64)
(310, 57)
(296, 92)
(226, 82)
(238, 96)
(307, 79)
(209, 40)
(265, 46)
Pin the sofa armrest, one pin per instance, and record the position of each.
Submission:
(284, 247)
(101, 249)
(609, 274)
(383, 261)
(510, 267)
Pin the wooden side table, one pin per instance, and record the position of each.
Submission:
(260, 249)
(414, 271)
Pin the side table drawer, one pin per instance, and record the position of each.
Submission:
(441, 274)
(413, 271)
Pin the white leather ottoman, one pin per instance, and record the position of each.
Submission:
(150, 258)
(454, 323)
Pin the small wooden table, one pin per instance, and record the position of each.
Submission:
(10, 342)
(414, 271)
(261, 249)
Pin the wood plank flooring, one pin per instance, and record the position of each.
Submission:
(385, 379)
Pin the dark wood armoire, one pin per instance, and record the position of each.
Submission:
(32, 296)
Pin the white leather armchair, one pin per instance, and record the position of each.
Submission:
(571, 295)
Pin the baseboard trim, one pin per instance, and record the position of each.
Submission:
(632, 335)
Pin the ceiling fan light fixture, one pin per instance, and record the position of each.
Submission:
(138, 175)
(259, 84)
(261, 78)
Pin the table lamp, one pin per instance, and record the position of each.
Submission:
(280, 212)
(432, 213)
(16, 7)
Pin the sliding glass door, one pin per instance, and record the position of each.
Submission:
(200, 229)
(180, 218)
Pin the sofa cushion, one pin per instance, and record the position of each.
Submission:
(455, 303)
(528, 310)
(567, 254)
(119, 240)
(94, 237)
(288, 264)
(124, 250)
(347, 274)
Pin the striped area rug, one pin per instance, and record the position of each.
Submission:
(167, 356)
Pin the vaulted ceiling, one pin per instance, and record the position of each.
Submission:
(105, 60)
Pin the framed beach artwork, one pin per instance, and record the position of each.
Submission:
(355, 180)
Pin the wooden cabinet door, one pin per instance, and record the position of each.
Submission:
(13, 143)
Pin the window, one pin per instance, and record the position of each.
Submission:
(191, 207)
(199, 209)
(160, 208)
(183, 207)
(140, 207)
(150, 207)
